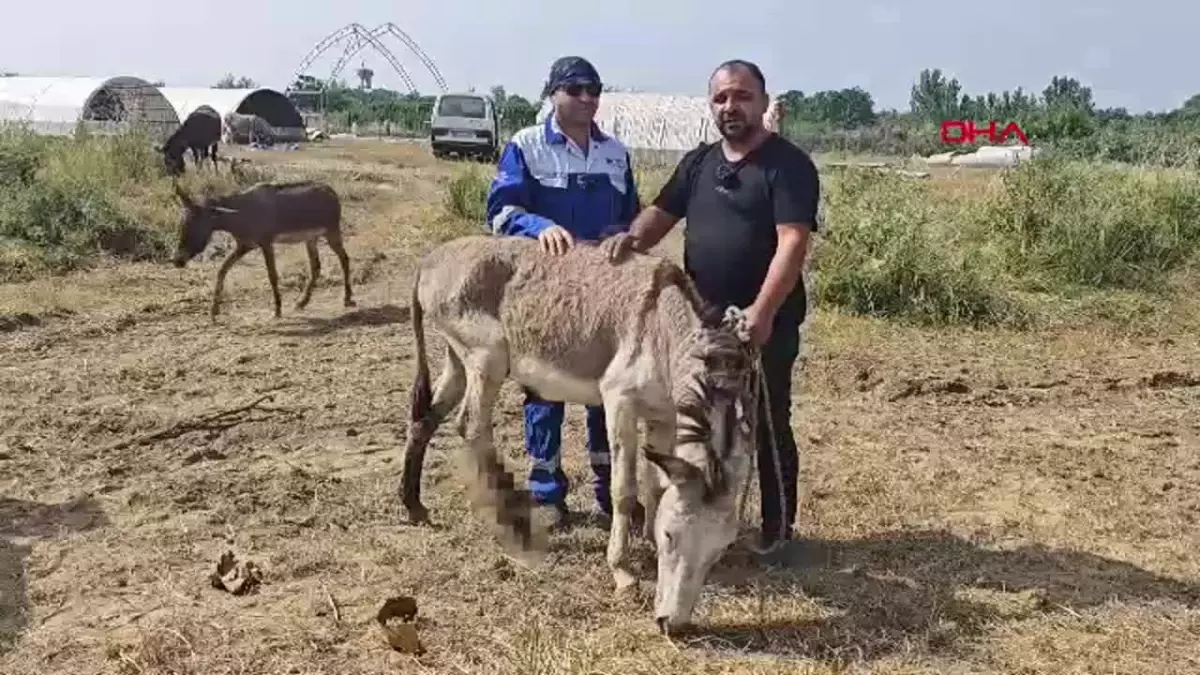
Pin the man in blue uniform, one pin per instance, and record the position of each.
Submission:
(559, 181)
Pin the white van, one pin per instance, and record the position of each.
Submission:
(465, 125)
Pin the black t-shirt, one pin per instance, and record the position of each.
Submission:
(730, 235)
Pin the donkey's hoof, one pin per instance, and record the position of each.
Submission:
(417, 515)
(525, 547)
(629, 592)
(624, 581)
(524, 534)
(349, 303)
(530, 559)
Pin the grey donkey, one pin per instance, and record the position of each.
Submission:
(262, 216)
(633, 336)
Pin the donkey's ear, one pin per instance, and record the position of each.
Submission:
(681, 473)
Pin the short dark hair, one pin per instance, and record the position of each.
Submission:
(755, 71)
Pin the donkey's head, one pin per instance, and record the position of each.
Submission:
(172, 155)
(195, 226)
(697, 516)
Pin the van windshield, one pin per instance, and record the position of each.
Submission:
(462, 106)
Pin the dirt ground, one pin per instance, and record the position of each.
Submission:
(973, 502)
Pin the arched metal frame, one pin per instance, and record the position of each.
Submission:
(357, 38)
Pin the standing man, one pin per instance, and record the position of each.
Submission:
(750, 202)
(556, 182)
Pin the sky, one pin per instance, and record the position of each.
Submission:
(1132, 54)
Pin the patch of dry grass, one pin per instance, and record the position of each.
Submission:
(982, 501)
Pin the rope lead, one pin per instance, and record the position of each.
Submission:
(736, 317)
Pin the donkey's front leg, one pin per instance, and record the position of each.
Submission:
(621, 421)
(494, 487)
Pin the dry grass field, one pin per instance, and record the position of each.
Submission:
(973, 500)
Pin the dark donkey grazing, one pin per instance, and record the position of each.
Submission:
(200, 132)
(260, 217)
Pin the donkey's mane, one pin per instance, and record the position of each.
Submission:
(725, 360)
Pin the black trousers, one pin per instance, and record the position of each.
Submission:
(778, 360)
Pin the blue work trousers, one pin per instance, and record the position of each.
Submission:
(543, 441)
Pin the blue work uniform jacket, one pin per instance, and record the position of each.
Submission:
(543, 179)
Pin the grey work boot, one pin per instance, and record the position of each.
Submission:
(603, 519)
(775, 552)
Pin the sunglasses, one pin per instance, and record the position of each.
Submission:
(727, 175)
(574, 90)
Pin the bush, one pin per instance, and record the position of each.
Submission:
(889, 250)
(650, 181)
(1020, 243)
(466, 193)
(1057, 228)
(68, 202)
(1065, 223)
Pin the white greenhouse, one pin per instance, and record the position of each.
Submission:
(276, 109)
(62, 105)
(659, 127)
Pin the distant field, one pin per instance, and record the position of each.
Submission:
(996, 411)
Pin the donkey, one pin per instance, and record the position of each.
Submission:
(200, 132)
(633, 336)
(260, 217)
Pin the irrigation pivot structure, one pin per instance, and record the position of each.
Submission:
(356, 38)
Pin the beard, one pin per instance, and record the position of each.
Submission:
(734, 128)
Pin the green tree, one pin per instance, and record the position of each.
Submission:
(307, 83)
(231, 82)
(1067, 92)
(934, 98)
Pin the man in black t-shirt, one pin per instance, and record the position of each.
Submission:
(751, 203)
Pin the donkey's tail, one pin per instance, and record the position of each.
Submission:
(421, 398)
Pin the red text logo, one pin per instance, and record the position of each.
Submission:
(959, 132)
